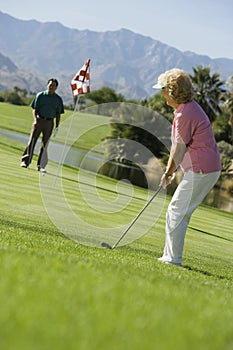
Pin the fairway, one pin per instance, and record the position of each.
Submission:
(59, 294)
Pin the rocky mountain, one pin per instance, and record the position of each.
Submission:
(7, 65)
(122, 59)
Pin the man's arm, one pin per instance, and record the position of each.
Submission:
(58, 117)
(34, 113)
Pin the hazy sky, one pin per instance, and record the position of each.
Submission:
(202, 26)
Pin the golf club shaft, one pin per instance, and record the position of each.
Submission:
(135, 219)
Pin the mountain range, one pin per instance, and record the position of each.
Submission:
(31, 52)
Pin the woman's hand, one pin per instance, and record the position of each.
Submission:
(167, 180)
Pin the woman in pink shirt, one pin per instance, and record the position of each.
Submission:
(194, 150)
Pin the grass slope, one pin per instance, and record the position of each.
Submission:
(58, 294)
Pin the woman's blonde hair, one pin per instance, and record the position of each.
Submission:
(178, 84)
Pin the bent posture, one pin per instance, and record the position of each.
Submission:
(194, 150)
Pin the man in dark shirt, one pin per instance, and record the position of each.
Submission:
(47, 106)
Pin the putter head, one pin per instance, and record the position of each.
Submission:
(106, 245)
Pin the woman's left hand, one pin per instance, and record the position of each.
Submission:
(167, 180)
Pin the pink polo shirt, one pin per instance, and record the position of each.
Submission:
(192, 127)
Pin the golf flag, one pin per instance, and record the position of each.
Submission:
(80, 84)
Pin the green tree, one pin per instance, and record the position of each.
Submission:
(105, 95)
(223, 124)
(229, 103)
(209, 91)
(158, 104)
(221, 128)
(226, 154)
(18, 96)
(12, 97)
(21, 92)
(138, 124)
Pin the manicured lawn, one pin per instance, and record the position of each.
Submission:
(59, 294)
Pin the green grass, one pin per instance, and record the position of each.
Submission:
(58, 294)
(19, 119)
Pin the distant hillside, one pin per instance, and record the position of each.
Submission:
(123, 60)
(6, 64)
(11, 76)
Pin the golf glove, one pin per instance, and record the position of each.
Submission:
(55, 132)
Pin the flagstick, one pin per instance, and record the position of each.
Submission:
(80, 77)
(76, 107)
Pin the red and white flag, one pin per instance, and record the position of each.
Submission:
(80, 84)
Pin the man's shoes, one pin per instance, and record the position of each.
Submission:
(42, 170)
(23, 165)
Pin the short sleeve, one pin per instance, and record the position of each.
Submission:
(182, 129)
(60, 108)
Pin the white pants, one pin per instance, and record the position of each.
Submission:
(189, 194)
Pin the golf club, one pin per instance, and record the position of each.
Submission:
(106, 245)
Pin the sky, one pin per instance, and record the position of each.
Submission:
(201, 26)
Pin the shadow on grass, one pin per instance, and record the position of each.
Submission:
(93, 186)
(152, 254)
(15, 224)
(210, 234)
(206, 273)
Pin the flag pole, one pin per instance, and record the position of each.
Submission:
(62, 158)
(76, 108)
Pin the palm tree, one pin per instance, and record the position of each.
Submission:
(229, 105)
(229, 100)
(209, 91)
